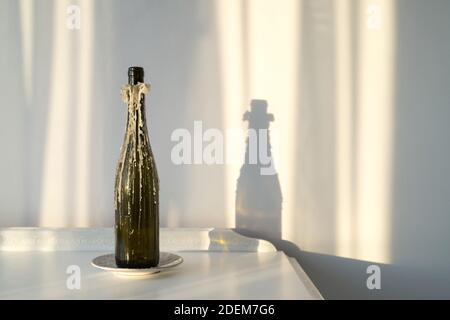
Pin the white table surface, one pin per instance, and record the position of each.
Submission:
(30, 269)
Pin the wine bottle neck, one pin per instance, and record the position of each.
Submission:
(134, 97)
(137, 115)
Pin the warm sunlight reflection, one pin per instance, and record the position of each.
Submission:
(363, 181)
(344, 122)
(84, 114)
(230, 20)
(54, 198)
(259, 54)
(273, 70)
(374, 130)
(65, 174)
(26, 20)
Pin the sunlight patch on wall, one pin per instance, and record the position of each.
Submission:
(81, 211)
(344, 121)
(231, 55)
(53, 207)
(374, 130)
(273, 29)
(363, 156)
(65, 183)
(259, 59)
(27, 20)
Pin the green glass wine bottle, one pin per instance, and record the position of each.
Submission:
(137, 184)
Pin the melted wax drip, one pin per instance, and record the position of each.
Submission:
(136, 139)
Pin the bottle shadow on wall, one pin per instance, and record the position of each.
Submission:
(259, 200)
(258, 213)
(258, 192)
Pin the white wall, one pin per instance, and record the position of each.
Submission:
(358, 90)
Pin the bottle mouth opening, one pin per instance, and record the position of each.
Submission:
(135, 75)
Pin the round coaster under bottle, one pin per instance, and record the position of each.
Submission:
(107, 262)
